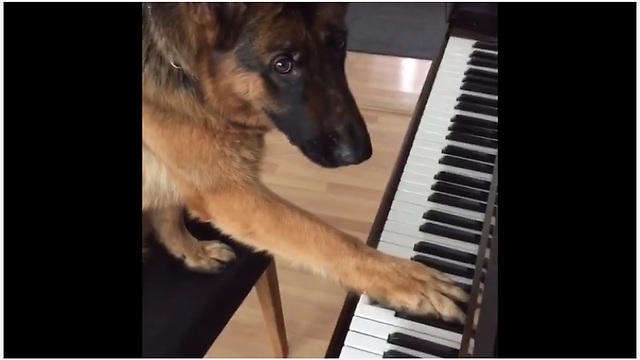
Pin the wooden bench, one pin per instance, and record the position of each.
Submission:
(183, 312)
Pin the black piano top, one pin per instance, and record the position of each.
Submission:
(480, 19)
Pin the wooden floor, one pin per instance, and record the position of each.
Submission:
(386, 89)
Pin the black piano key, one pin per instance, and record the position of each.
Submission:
(474, 79)
(469, 154)
(491, 46)
(455, 220)
(445, 266)
(474, 130)
(462, 191)
(474, 121)
(483, 63)
(477, 54)
(472, 140)
(455, 201)
(444, 252)
(475, 108)
(466, 164)
(480, 80)
(451, 233)
(449, 253)
(472, 99)
(423, 346)
(390, 354)
(479, 88)
(489, 75)
(462, 180)
(465, 287)
(429, 321)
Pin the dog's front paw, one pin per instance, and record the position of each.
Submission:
(413, 288)
(209, 256)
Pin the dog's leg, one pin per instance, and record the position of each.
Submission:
(258, 217)
(223, 188)
(205, 256)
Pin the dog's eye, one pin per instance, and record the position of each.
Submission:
(337, 40)
(283, 64)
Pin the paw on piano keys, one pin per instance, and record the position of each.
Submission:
(437, 214)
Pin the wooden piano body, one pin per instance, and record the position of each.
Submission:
(472, 24)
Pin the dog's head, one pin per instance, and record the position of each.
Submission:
(282, 65)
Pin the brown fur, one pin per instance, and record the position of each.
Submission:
(203, 142)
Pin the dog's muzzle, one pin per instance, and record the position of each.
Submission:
(347, 145)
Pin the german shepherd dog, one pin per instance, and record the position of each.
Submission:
(216, 77)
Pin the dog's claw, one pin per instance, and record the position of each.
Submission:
(210, 257)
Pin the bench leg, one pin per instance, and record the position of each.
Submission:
(269, 295)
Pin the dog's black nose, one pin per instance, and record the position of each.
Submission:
(350, 154)
(352, 145)
(349, 144)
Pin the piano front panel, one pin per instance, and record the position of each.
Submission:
(438, 210)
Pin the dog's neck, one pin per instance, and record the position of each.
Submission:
(176, 66)
(168, 83)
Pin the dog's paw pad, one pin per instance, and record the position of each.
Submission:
(210, 256)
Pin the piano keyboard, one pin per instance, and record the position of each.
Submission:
(437, 213)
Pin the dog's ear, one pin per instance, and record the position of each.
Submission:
(226, 20)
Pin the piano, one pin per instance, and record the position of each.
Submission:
(440, 206)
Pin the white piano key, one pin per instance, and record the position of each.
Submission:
(419, 209)
(366, 309)
(425, 175)
(405, 218)
(409, 240)
(434, 140)
(417, 220)
(464, 49)
(420, 199)
(459, 58)
(404, 199)
(425, 161)
(406, 253)
(453, 87)
(456, 43)
(348, 352)
(449, 105)
(425, 205)
(438, 117)
(455, 66)
(453, 63)
(424, 151)
(447, 98)
(378, 346)
(421, 183)
(382, 331)
(400, 234)
(414, 187)
(429, 166)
